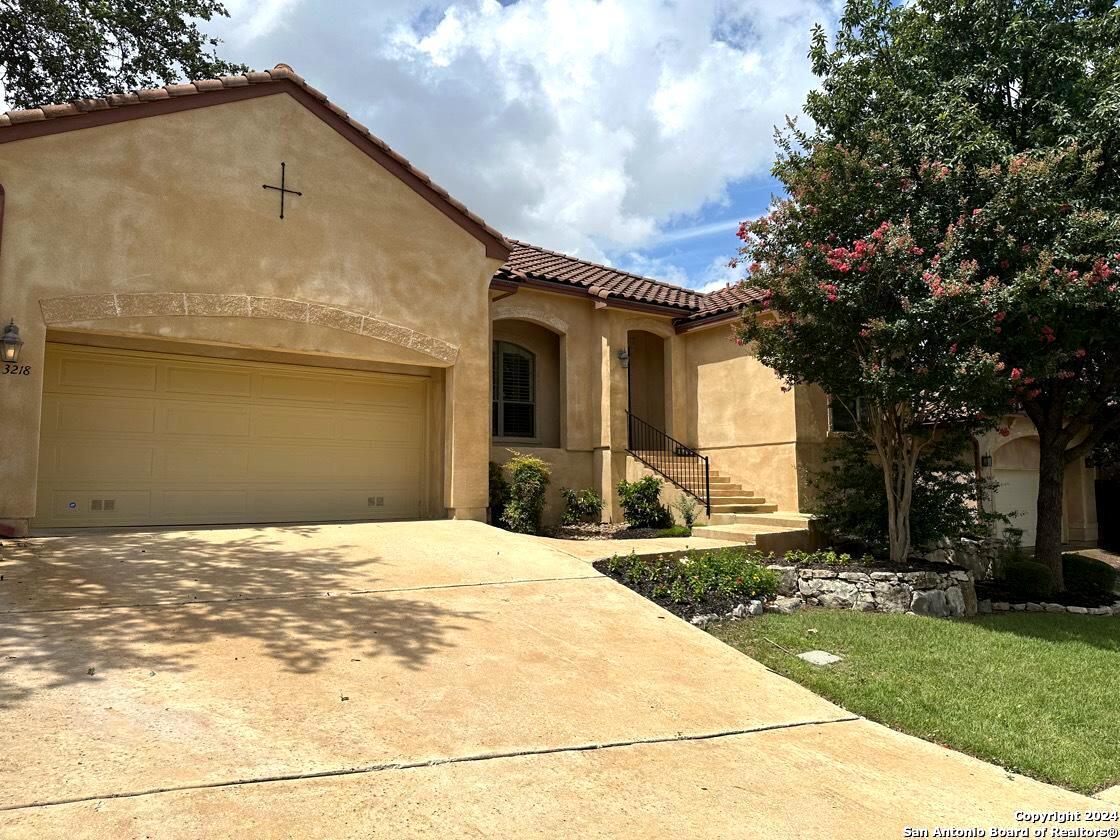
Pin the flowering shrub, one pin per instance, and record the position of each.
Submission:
(730, 575)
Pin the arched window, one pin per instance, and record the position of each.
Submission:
(514, 392)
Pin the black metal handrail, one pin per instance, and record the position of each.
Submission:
(682, 465)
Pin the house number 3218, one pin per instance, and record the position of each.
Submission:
(17, 370)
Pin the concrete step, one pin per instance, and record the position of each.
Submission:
(722, 491)
(763, 538)
(778, 519)
(749, 505)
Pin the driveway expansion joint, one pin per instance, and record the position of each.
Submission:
(435, 762)
(298, 596)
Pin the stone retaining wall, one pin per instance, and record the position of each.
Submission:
(944, 594)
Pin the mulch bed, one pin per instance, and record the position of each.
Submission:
(603, 531)
(996, 590)
(706, 606)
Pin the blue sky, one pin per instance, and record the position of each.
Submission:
(632, 132)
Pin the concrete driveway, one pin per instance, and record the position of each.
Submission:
(401, 679)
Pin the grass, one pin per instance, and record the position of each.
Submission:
(1036, 693)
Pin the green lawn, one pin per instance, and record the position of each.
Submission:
(1036, 693)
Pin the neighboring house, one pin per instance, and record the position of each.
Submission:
(191, 356)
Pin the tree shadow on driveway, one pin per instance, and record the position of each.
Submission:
(150, 602)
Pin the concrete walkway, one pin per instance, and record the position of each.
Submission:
(394, 680)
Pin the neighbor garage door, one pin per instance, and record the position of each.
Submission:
(132, 438)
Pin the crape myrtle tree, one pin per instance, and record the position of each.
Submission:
(58, 50)
(988, 133)
(848, 261)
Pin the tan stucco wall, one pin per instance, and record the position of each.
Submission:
(739, 416)
(159, 227)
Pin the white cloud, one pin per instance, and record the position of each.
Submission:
(588, 126)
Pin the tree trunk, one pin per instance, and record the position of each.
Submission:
(1048, 533)
(898, 457)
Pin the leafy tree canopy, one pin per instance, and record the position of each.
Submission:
(952, 225)
(58, 50)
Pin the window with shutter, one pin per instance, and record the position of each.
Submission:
(514, 392)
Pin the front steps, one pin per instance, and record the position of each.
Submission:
(743, 517)
(739, 515)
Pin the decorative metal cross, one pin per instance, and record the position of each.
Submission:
(281, 189)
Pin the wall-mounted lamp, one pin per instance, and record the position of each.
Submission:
(624, 357)
(10, 343)
(986, 461)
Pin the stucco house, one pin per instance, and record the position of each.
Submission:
(236, 304)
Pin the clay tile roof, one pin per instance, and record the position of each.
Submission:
(600, 281)
(15, 125)
(605, 283)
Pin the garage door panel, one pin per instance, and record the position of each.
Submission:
(209, 381)
(297, 388)
(381, 427)
(93, 459)
(110, 505)
(225, 441)
(98, 414)
(197, 463)
(90, 371)
(212, 420)
(201, 504)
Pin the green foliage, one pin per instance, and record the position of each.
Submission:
(641, 503)
(581, 506)
(529, 478)
(850, 501)
(1028, 580)
(734, 574)
(58, 50)
(951, 237)
(688, 508)
(827, 558)
(1087, 575)
(675, 531)
(499, 493)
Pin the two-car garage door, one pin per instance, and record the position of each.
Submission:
(132, 438)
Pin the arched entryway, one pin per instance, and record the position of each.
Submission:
(646, 377)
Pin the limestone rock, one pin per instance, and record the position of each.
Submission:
(784, 605)
(954, 601)
(929, 602)
(984, 607)
(819, 657)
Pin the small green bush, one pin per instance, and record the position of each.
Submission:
(688, 508)
(499, 493)
(1087, 575)
(675, 531)
(528, 481)
(1027, 579)
(641, 503)
(827, 557)
(734, 574)
(581, 506)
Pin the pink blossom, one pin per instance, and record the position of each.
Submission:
(1081, 352)
(1016, 373)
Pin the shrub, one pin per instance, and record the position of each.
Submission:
(581, 506)
(688, 508)
(731, 574)
(1086, 575)
(675, 531)
(641, 503)
(826, 558)
(499, 493)
(528, 482)
(1027, 579)
(851, 502)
